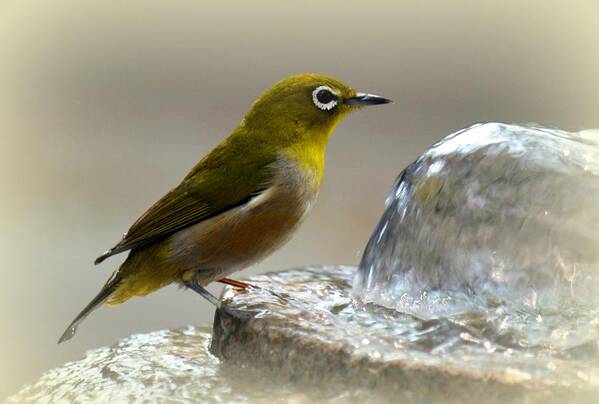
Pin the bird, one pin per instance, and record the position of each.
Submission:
(241, 202)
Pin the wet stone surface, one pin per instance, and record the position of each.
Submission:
(308, 340)
(308, 328)
(169, 366)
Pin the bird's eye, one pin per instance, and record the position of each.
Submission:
(324, 98)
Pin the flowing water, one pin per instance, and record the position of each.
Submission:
(491, 236)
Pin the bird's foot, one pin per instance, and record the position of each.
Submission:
(238, 285)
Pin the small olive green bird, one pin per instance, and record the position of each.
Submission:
(240, 202)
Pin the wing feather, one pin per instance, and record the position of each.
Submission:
(209, 190)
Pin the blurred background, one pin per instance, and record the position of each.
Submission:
(104, 106)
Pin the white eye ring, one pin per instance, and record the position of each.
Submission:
(321, 105)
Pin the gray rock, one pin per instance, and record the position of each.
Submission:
(300, 337)
(170, 366)
(307, 328)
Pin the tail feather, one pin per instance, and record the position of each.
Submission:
(100, 298)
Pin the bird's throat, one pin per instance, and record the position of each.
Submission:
(309, 159)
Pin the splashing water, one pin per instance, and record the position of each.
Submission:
(493, 229)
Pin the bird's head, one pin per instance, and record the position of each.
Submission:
(305, 107)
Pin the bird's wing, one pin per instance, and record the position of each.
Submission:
(213, 187)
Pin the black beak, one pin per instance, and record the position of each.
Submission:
(361, 99)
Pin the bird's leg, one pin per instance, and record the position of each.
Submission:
(237, 284)
(189, 279)
(196, 287)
